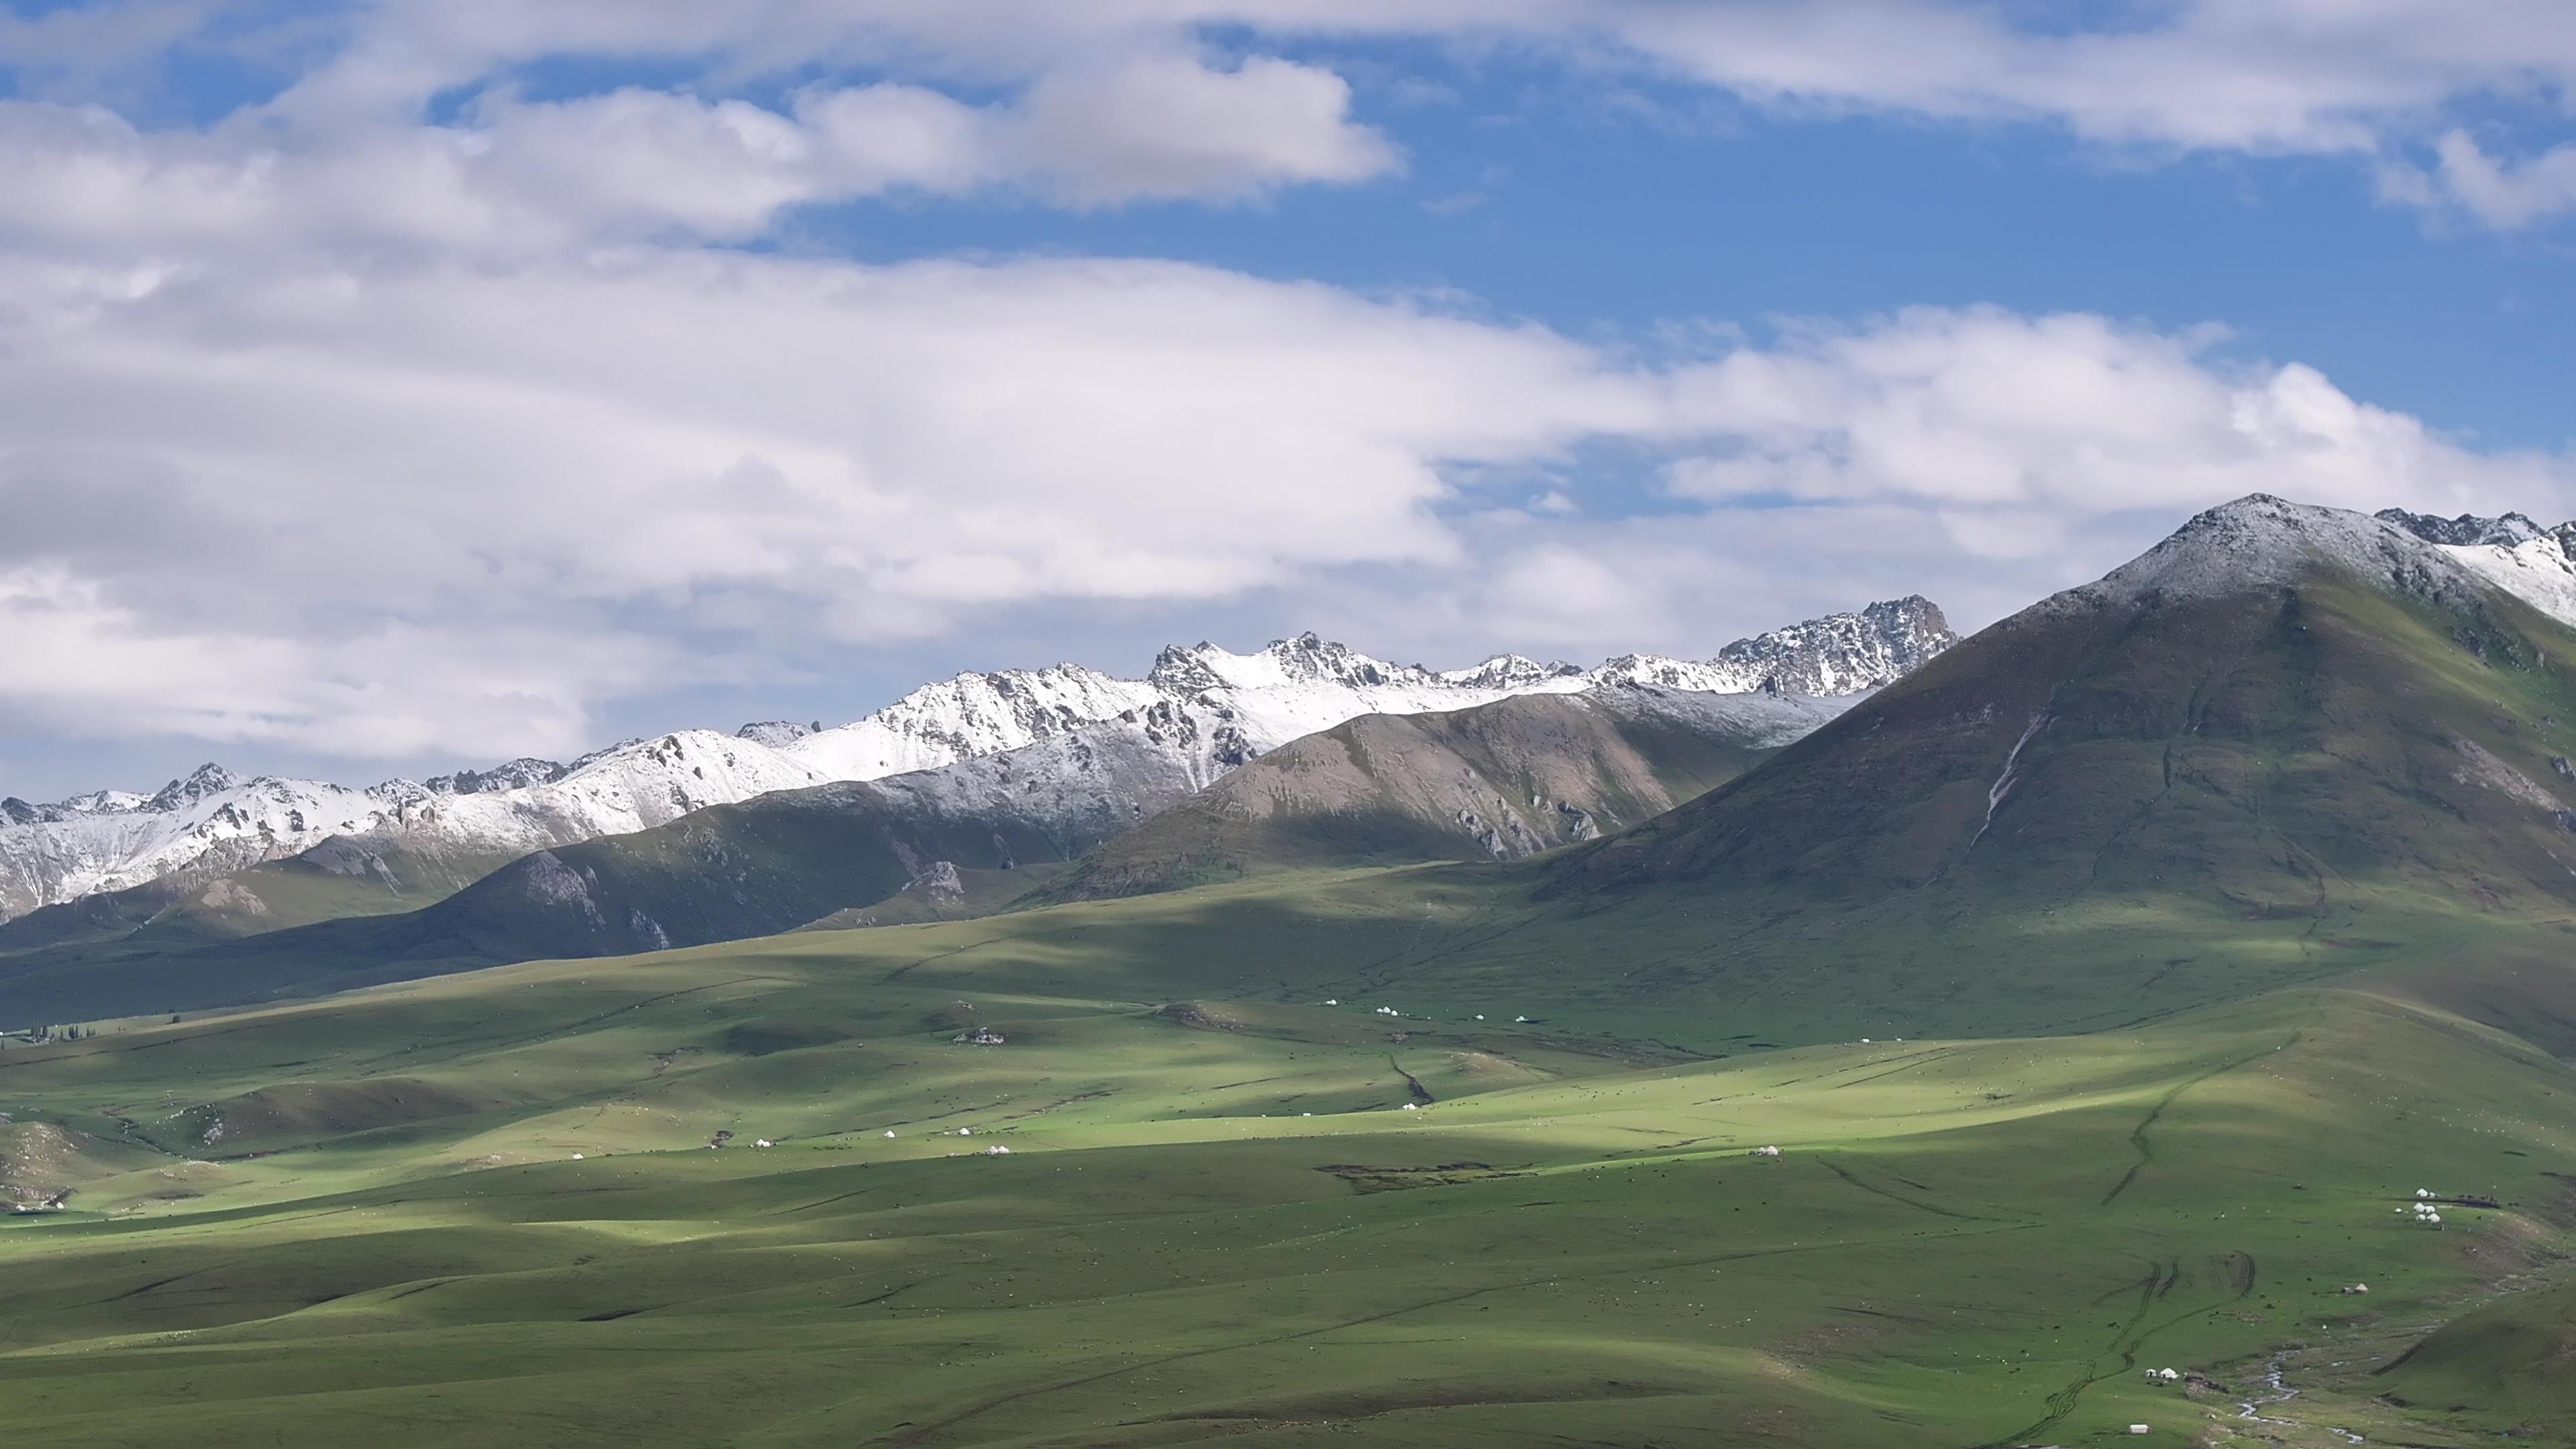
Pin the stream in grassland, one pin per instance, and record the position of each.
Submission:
(2275, 1379)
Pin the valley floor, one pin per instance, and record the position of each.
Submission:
(483, 1209)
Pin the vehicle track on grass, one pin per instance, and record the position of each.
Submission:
(998, 938)
(2138, 1135)
(2153, 1289)
(1915, 1060)
(1893, 1196)
(913, 1434)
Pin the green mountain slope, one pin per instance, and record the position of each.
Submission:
(1498, 781)
(2286, 742)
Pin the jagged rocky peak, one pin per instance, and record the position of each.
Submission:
(2535, 564)
(2506, 531)
(208, 779)
(777, 733)
(518, 774)
(1834, 655)
(1306, 659)
(1843, 653)
(14, 811)
(1508, 671)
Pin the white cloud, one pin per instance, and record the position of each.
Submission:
(2505, 194)
(2013, 430)
(641, 447)
(1103, 104)
(83, 665)
(1158, 126)
(400, 506)
(521, 176)
(2221, 74)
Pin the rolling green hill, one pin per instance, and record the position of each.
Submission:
(483, 1209)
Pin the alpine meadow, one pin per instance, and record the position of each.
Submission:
(1985, 857)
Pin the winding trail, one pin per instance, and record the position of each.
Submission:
(2138, 1135)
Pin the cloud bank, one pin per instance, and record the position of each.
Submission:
(420, 505)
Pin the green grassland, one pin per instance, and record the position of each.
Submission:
(362, 1218)
(2110, 986)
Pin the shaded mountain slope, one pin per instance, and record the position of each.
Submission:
(1499, 781)
(2287, 743)
(763, 865)
(1524, 774)
(2275, 707)
(343, 876)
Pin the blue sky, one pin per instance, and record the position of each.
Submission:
(391, 387)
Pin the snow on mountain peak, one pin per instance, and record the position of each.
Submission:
(208, 779)
(2505, 531)
(517, 774)
(1509, 671)
(1202, 710)
(1837, 654)
(777, 733)
(1307, 658)
(2535, 564)
(2262, 542)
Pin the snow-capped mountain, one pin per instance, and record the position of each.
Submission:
(2535, 564)
(1837, 654)
(211, 824)
(1198, 713)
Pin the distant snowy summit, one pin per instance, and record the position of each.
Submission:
(2259, 542)
(2517, 555)
(1837, 654)
(1199, 712)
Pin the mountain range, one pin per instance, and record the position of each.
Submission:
(1201, 710)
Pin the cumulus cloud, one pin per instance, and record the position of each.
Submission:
(2005, 426)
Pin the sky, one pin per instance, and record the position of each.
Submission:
(390, 387)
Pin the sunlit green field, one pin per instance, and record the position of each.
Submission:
(364, 1219)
